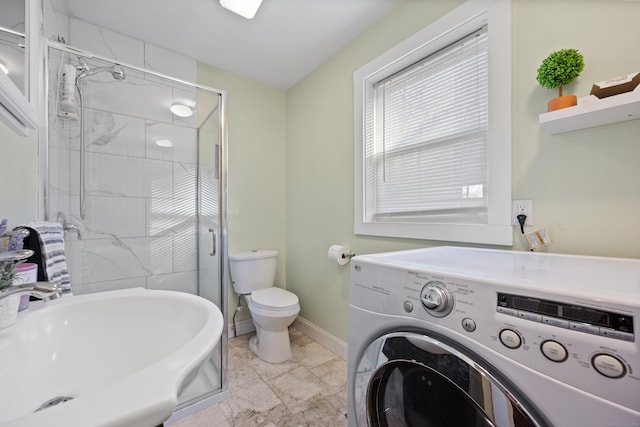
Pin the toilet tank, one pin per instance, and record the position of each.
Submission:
(252, 270)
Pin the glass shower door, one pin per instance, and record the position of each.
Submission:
(209, 233)
(137, 187)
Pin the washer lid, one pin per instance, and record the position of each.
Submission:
(274, 298)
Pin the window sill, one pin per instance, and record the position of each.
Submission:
(466, 233)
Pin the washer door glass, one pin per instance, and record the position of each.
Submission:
(413, 380)
(409, 394)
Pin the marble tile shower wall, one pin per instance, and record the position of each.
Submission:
(140, 226)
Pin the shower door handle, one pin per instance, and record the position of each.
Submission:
(213, 234)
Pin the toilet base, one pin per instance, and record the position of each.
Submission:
(271, 346)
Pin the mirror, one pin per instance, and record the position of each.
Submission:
(15, 109)
(12, 42)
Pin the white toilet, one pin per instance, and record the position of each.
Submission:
(272, 309)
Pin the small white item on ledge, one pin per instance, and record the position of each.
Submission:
(583, 100)
(339, 254)
(537, 238)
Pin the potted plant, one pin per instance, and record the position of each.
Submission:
(558, 70)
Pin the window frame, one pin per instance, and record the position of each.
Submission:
(470, 16)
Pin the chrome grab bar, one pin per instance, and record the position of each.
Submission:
(67, 226)
(74, 228)
(82, 155)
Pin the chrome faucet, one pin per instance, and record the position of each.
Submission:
(43, 290)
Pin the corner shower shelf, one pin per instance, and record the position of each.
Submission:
(614, 109)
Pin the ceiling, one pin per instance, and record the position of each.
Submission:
(285, 41)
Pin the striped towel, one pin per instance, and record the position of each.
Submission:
(54, 262)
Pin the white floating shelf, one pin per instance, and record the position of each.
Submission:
(596, 112)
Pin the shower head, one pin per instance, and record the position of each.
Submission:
(85, 71)
(70, 78)
(67, 108)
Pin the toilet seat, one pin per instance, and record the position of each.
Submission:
(274, 299)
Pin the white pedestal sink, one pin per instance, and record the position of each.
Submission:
(119, 357)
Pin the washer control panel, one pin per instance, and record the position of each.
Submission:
(569, 316)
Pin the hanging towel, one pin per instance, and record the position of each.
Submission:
(47, 241)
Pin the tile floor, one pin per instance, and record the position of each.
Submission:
(309, 390)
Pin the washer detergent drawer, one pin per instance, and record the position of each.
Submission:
(420, 381)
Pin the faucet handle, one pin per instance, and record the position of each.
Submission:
(46, 287)
(46, 291)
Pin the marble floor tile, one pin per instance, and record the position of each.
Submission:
(248, 400)
(332, 373)
(338, 400)
(309, 390)
(298, 385)
(297, 338)
(315, 411)
(241, 341)
(312, 354)
(269, 371)
(209, 417)
(239, 366)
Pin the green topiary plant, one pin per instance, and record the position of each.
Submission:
(560, 68)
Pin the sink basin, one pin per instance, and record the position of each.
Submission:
(107, 359)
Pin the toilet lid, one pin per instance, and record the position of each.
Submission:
(274, 298)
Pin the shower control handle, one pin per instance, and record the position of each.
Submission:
(213, 234)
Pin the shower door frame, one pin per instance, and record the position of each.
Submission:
(221, 394)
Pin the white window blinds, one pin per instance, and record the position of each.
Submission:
(426, 130)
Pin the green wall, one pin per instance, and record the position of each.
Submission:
(585, 185)
(18, 176)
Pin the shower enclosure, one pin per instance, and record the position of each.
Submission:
(139, 189)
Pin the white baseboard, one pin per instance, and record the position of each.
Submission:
(321, 336)
(245, 326)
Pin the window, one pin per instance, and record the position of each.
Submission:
(433, 148)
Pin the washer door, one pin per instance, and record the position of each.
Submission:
(409, 379)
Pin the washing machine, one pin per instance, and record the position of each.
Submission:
(457, 337)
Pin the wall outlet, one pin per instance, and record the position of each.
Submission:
(522, 207)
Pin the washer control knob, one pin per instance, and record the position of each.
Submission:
(436, 299)
(608, 365)
(510, 338)
(554, 351)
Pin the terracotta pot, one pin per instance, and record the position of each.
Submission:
(562, 102)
